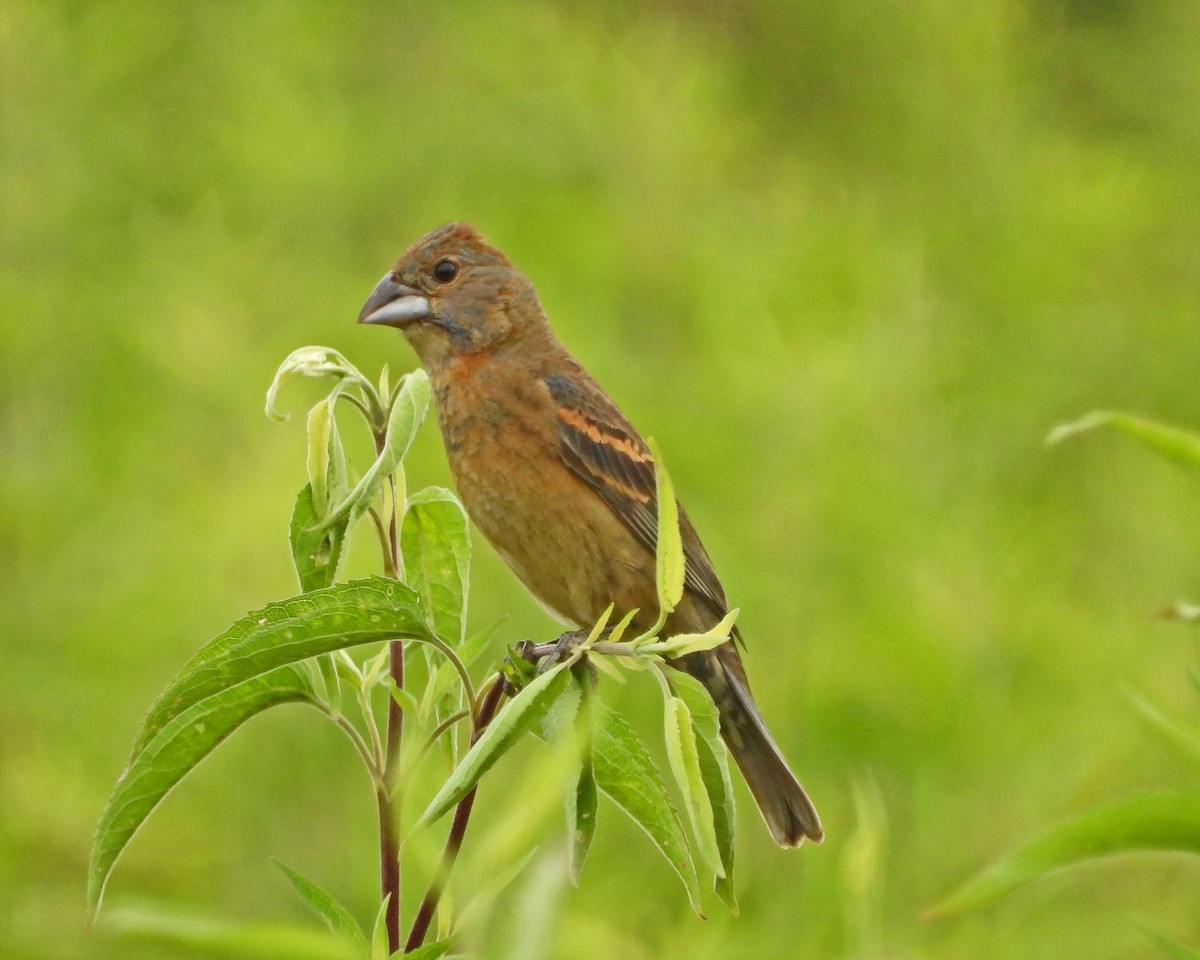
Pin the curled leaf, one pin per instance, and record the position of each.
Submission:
(313, 361)
(407, 415)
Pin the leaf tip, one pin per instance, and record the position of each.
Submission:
(1065, 430)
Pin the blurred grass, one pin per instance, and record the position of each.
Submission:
(848, 263)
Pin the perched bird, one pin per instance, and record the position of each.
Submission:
(560, 482)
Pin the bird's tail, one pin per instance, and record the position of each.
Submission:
(786, 808)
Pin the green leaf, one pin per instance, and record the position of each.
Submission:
(317, 551)
(315, 362)
(670, 566)
(344, 615)
(176, 746)
(320, 425)
(1160, 821)
(1181, 446)
(626, 773)
(428, 951)
(582, 808)
(226, 938)
(684, 761)
(327, 668)
(714, 773)
(379, 935)
(514, 720)
(570, 721)
(436, 543)
(583, 799)
(407, 414)
(336, 917)
(533, 915)
(683, 644)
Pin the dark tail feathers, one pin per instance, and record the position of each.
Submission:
(789, 814)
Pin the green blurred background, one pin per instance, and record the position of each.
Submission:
(847, 261)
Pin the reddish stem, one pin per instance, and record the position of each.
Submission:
(458, 828)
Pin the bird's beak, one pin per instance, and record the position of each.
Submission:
(394, 304)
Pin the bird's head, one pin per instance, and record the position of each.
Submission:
(452, 293)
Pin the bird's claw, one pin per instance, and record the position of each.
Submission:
(546, 655)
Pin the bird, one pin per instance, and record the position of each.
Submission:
(561, 483)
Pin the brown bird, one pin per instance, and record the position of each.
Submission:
(560, 482)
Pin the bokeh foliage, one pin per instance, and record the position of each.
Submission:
(847, 261)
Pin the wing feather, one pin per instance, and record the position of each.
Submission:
(601, 447)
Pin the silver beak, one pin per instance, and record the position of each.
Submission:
(394, 305)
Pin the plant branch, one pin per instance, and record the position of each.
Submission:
(389, 864)
(376, 747)
(377, 521)
(367, 415)
(464, 675)
(458, 829)
(442, 728)
(386, 795)
(356, 738)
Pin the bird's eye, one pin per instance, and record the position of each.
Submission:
(445, 270)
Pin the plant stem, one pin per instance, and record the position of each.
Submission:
(387, 796)
(389, 864)
(458, 829)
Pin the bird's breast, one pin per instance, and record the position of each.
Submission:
(560, 539)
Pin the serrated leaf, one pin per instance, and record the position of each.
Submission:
(176, 746)
(670, 565)
(684, 761)
(571, 717)
(516, 718)
(583, 804)
(407, 415)
(1160, 821)
(228, 938)
(1181, 446)
(436, 543)
(317, 551)
(714, 773)
(287, 631)
(626, 773)
(429, 951)
(335, 916)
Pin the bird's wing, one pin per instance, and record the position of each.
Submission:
(601, 447)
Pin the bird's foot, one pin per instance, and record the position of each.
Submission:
(546, 655)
